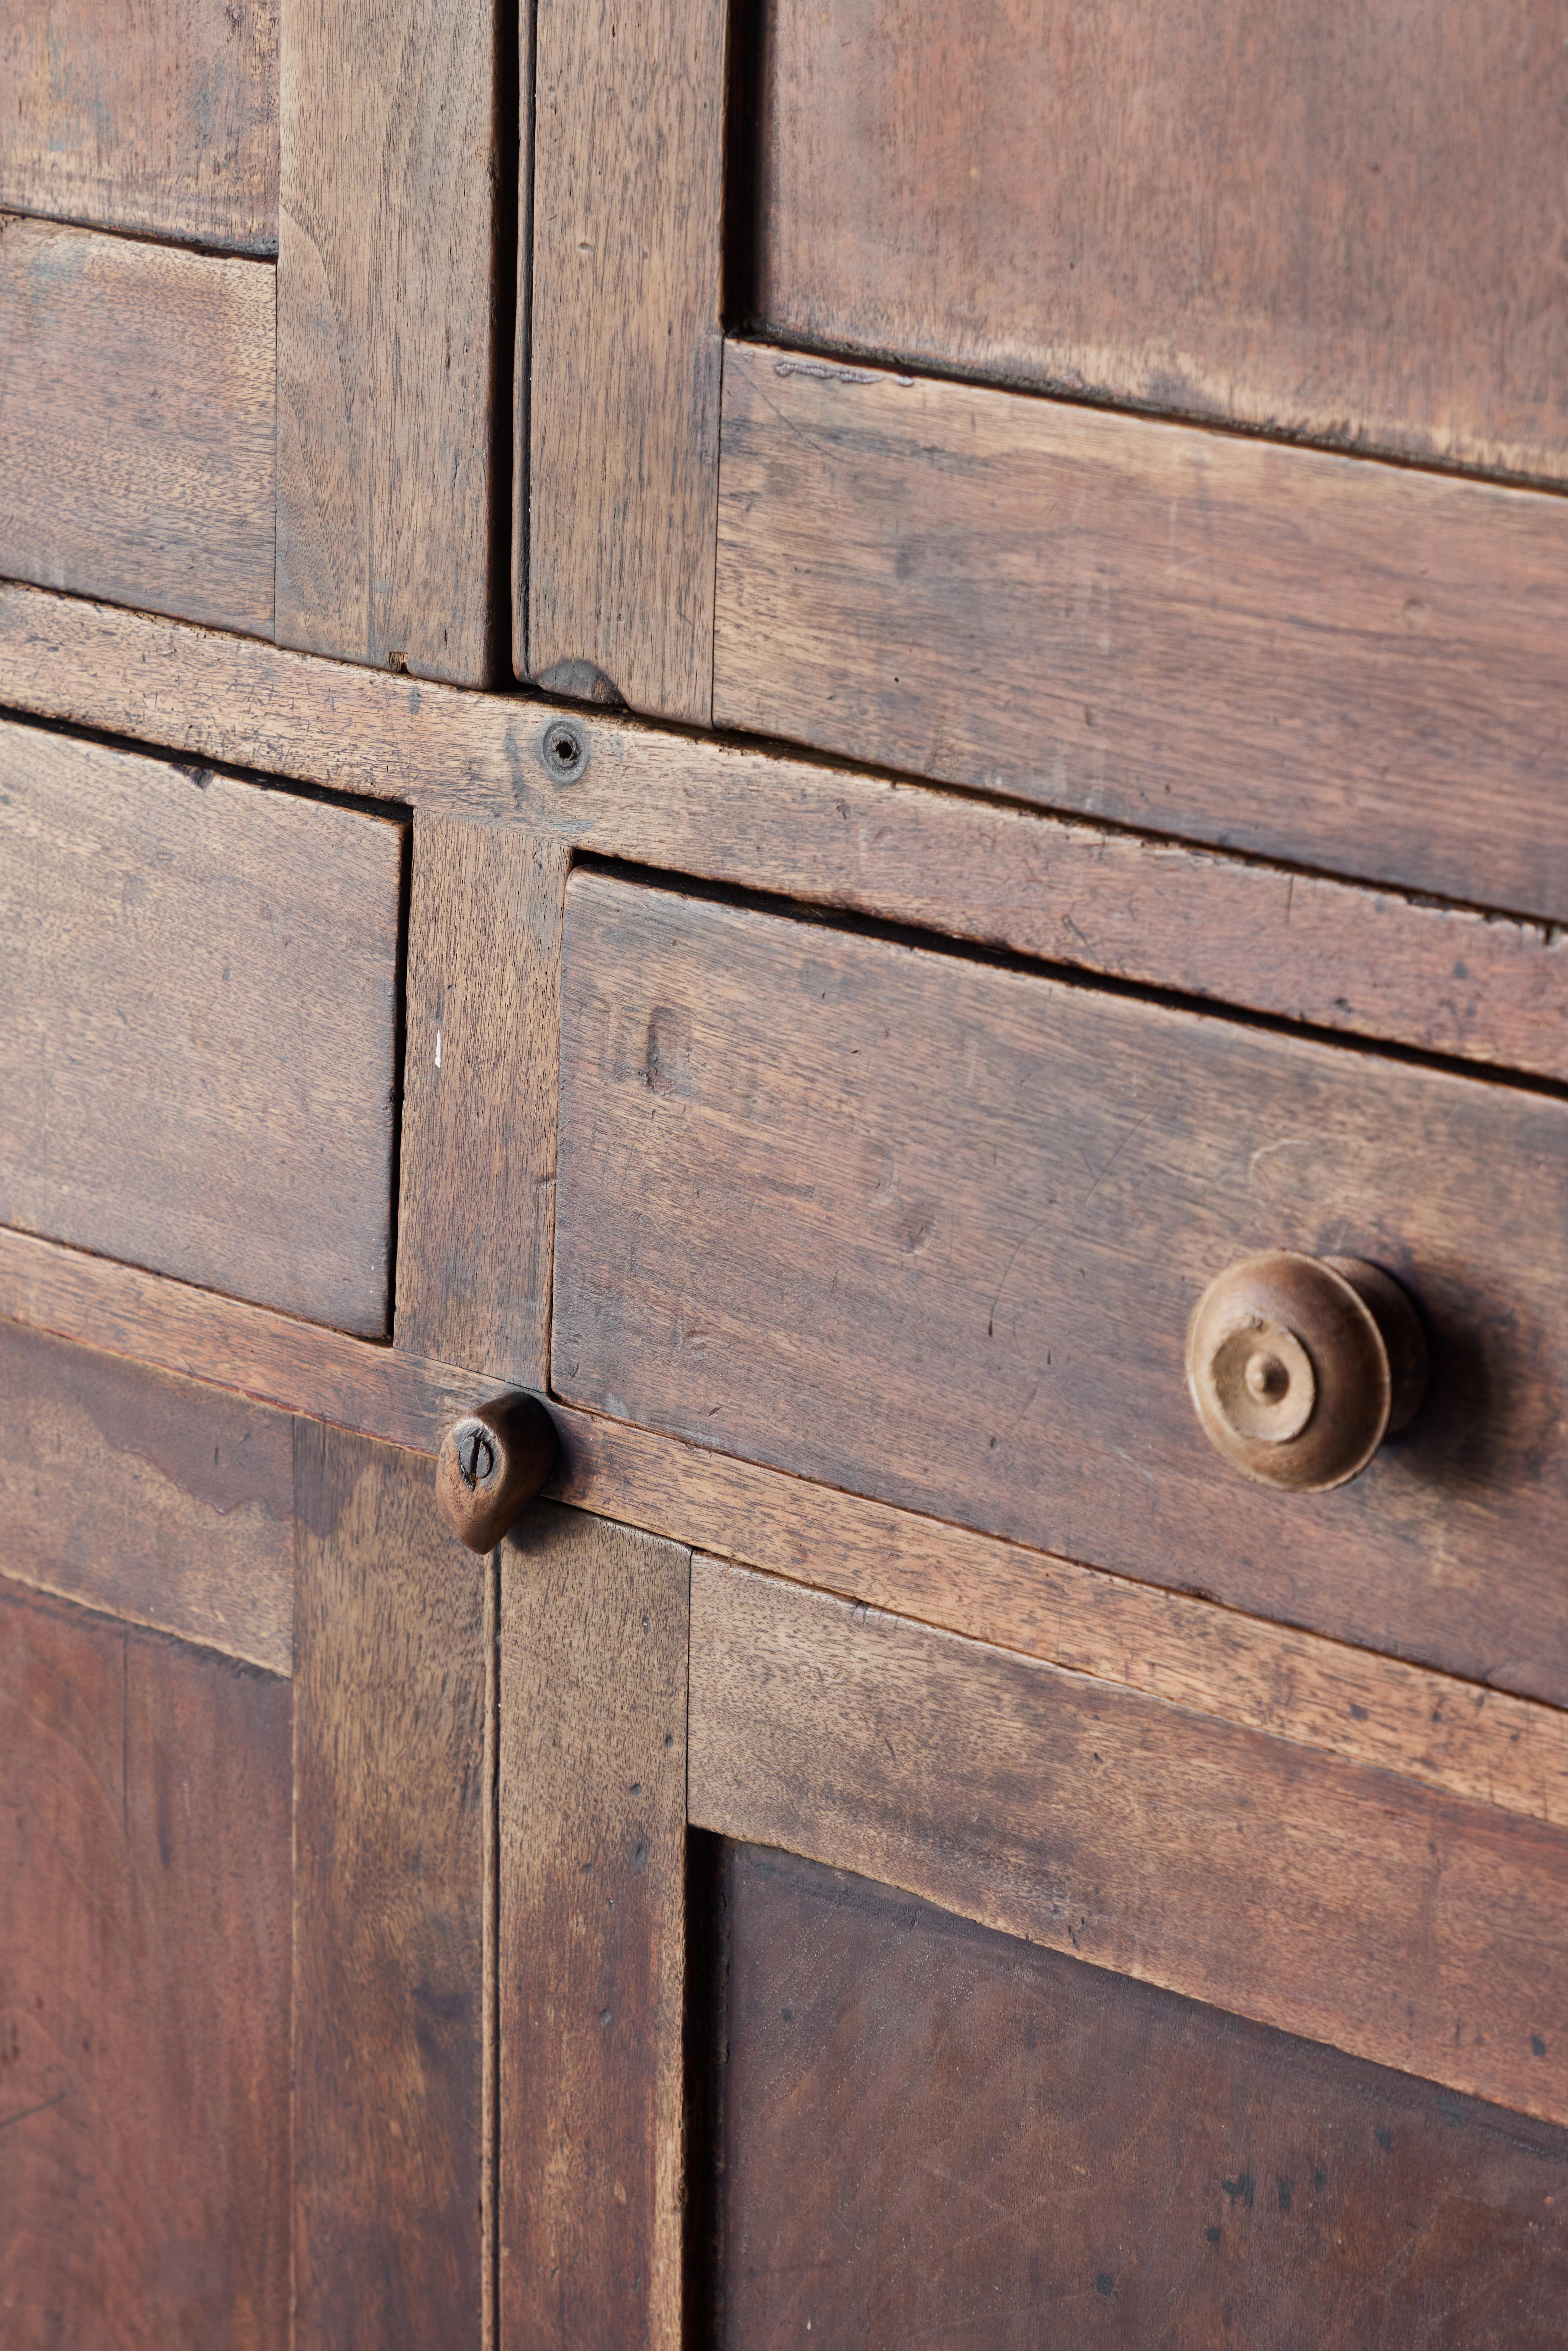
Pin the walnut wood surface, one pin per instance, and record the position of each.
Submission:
(155, 116)
(388, 325)
(199, 987)
(934, 2132)
(932, 1232)
(1338, 1903)
(389, 1955)
(476, 1164)
(144, 1870)
(138, 415)
(152, 1498)
(1200, 923)
(592, 1797)
(618, 432)
(1302, 655)
(1472, 1741)
(1340, 226)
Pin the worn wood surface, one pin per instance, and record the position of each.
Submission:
(1469, 1739)
(389, 1794)
(593, 1800)
(389, 333)
(617, 437)
(136, 414)
(1340, 226)
(933, 1231)
(1341, 1904)
(1361, 667)
(476, 1175)
(150, 1498)
(158, 118)
(932, 2131)
(198, 981)
(144, 1870)
(1200, 923)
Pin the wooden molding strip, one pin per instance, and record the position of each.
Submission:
(1294, 945)
(1329, 1900)
(1483, 1745)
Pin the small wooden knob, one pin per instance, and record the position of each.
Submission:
(490, 1464)
(1300, 1366)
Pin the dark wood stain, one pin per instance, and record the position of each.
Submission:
(932, 2132)
(144, 1874)
(159, 119)
(1341, 227)
(1360, 667)
(137, 414)
(148, 1496)
(390, 1797)
(197, 1017)
(932, 1232)
(592, 1800)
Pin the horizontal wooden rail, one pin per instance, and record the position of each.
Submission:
(1478, 1744)
(1291, 944)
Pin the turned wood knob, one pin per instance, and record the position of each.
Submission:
(490, 1464)
(1300, 1366)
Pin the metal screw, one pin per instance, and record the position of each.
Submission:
(563, 747)
(476, 1456)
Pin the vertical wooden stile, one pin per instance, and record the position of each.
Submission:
(592, 1805)
(623, 412)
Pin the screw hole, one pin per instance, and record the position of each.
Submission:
(564, 749)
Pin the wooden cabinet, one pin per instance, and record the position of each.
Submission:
(1019, 763)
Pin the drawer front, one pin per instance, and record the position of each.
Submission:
(933, 1231)
(198, 1016)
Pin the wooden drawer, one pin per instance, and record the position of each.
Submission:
(932, 1230)
(198, 1020)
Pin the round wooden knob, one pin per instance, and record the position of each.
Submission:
(1300, 1366)
(491, 1463)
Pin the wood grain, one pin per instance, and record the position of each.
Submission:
(154, 117)
(199, 985)
(931, 2129)
(389, 1955)
(387, 326)
(1340, 1903)
(144, 1869)
(623, 408)
(1480, 1743)
(137, 409)
(150, 1498)
(476, 1169)
(1470, 1740)
(933, 1231)
(592, 1803)
(1340, 227)
(1297, 945)
(1281, 651)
